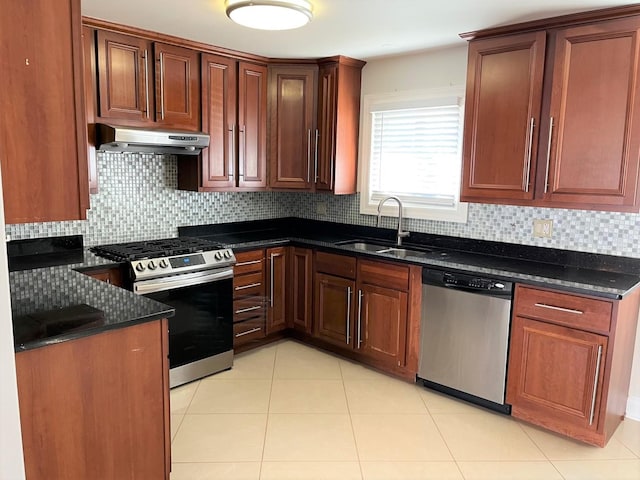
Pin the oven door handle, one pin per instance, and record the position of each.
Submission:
(181, 280)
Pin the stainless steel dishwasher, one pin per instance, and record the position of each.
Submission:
(465, 336)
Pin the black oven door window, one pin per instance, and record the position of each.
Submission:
(203, 323)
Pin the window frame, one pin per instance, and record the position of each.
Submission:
(406, 100)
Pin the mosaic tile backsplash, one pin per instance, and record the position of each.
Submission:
(138, 200)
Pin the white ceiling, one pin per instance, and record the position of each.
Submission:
(357, 28)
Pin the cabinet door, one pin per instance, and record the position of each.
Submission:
(43, 128)
(292, 134)
(177, 87)
(89, 67)
(252, 125)
(125, 78)
(555, 375)
(334, 309)
(301, 288)
(595, 107)
(276, 284)
(219, 93)
(381, 329)
(326, 132)
(502, 116)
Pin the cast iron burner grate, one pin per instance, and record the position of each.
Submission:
(154, 248)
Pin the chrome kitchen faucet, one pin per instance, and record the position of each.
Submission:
(401, 233)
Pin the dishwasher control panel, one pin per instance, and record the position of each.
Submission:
(465, 281)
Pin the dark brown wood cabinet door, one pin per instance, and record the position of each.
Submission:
(125, 78)
(43, 128)
(334, 318)
(94, 433)
(336, 149)
(219, 120)
(502, 117)
(292, 127)
(325, 148)
(595, 106)
(276, 289)
(177, 87)
(553, 372)
(252, 126)
(381, 331)
(301, 277)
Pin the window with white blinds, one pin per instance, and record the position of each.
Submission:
(414, 152)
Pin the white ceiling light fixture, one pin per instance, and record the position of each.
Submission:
(270, 14)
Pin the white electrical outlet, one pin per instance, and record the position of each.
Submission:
(321, 208)
(542, 228)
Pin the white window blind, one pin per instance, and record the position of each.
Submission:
(415, 153)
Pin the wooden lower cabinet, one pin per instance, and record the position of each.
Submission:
(98, 406)
(334, 317)
(570, 361)
(277, 289)
(249, 306)
(370, 309)
(301, 289)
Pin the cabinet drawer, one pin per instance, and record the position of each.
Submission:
(562, 308)
(247, 262)
(250, 284)
(244, 332)
(339, 265)
(383, 274)
(249, 307)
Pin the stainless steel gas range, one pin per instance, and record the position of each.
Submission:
(195, 277)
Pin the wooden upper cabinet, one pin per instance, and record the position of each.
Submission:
(142, 83)
(252, 126)
(336, 148)
(43, 128)
(561, 130)
(125, 77)
(292, 126)
(502, 116)
(219, 120)
(595, 107)
(177, 87)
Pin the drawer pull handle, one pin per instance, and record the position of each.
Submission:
(595, 386)
(253, 330)
(249, 309)
(559, 309)
(253, 262)
(251, 285)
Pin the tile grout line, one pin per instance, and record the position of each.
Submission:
(266, 427)
(538, 447)
(353, 432)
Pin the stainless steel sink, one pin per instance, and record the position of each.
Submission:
(399, 252)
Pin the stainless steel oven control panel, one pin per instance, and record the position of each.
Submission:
(190, 262)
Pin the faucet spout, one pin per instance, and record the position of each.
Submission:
(401, 233)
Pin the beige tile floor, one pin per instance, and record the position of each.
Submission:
(288, 411)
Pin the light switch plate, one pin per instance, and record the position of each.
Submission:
(542, 228)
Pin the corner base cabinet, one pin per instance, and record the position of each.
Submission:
(98, 406)
(570, 361)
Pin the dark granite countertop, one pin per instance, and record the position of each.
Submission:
(53, 304)
(584, 273)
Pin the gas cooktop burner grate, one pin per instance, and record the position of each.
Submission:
(154, 248)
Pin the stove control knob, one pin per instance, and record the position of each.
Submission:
(163, 263)
(218, 255)
(140, 267)
(151, 265)
(227, 254)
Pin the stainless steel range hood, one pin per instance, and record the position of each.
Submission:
(130, 139)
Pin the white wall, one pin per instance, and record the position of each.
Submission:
(447, 67)
(11, 460)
